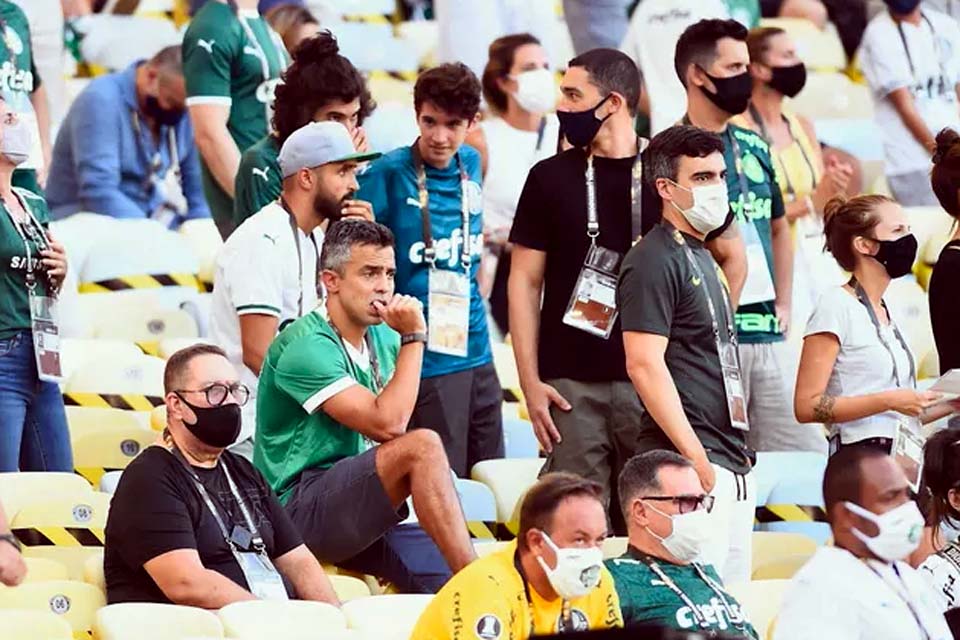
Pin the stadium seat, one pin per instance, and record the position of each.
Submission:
(780, 569)
(88, 417)
(910, 309)
(348, 587)
(508, 480)
(20, 488)
(78, 352)
(291, 620)
(770, 546)
(147, 621)
(397, 612)
(506, 367)
(820, 50)
(158, 418)
(109, 481)
(170, 346)
(486, 547)
(479, 506)
(424, 37)
(68, 530)
(75, 602)
(147, 326)
(42, 569)
(204, 241)
(833, 96)
(134, 384)
(518, 439)
(26, 624)
(614, 547)
(99, 450)
(361, 8)
(391, 125)
(789, 493)
(93, 571)
(761, 599)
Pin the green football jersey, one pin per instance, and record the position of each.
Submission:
(14, 299)
(258, 180)
(18, 81)
(306, 365)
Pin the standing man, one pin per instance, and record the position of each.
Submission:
(267, 272)
(429, 195)
(567, 243)
(681, 342)
(712, 61)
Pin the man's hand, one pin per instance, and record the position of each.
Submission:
(403, 314)
(360, 143)
(539, 396)
(708, 476)
(783, 316)
(12, 567)
(357, 209)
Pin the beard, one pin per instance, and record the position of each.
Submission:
(330, 208)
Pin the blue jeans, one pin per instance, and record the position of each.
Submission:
(33, 425)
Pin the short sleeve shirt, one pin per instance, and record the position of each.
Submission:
(157, 509)
(258, 181)
(305, 366)
(659, 292)
(487, 601)
(942, 572)
(18, 74)
(14, 299)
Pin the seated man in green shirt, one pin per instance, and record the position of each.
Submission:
(336, 392)
(659, 579)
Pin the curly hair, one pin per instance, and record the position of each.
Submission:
(452, 88)
(317, 76)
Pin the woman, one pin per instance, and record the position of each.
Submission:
(520, 91)
(33, 424)
(232, 62)
(857, 374)
(941, 478)
(293, 23)
(944, 302)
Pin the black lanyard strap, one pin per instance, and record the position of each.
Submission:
(566, 612)
(29, 229)
(636, 200)
(936, 48)
(374, 361)
(429, 252)
(865, 301)
(154, 162)
(296, 242)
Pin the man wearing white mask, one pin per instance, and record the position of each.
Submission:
(679, 337)
(861, 588)
(659, 578)
(551, 579)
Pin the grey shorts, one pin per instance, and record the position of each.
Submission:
(342, 510)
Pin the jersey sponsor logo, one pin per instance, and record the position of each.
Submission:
(20, 263)
(266, 90)
(257, 171)
(447, 249)
(488, 627)
(714, 613)
(757, 323)
(474, 198)
(761, 208)
(752, 139)
(13, 79)
(753, 169)
(12, 39)
(206, 45)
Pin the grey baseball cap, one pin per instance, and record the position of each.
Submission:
(316, 144)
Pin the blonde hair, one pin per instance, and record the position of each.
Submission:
(845, 219)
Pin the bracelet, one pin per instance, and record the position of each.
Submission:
(408, 338)
(11, 539)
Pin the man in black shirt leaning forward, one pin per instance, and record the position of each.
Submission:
(680, 338)
(193, 524)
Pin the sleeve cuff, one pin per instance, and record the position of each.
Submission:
(316, 400)
(224, 101)
(262, 309)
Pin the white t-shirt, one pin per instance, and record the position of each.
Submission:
(651, 42)
(257, 272)
(942, 572)
(863, 364)
(511, 153)
(836, 596)
(934, 48)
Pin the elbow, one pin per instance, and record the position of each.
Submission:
(803, 411)
(392, 429)
(186, 589)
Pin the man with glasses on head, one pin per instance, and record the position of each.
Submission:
(193, 524)
(661, 579)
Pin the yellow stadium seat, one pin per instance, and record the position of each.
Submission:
(398, 613)
(108, 448)
(43, 569)
(77, 352)
(134, 384)
(68, 530)
(506, 367)
(486, 547)
(26, 624)
(910, 309)
(348, 587)
(820, 50)
(291, 620)
(205, 242)
(832, 95)
(770, 546)
(93, 571)
(614, 547)
(508, 480)
(929, 224)
(762, 600)
(149, 327)
(782, 568)
(147, 621)
(20, 488)
(170, 346)
(75, 602)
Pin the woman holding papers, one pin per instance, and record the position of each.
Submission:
(857, 375)
(944, 301)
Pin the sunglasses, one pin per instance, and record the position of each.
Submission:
(686, 504)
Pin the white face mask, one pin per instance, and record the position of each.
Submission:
(577, 572)
(711, 205)
(900, 530)
(16, 142)
(536, 90)
(691, 531)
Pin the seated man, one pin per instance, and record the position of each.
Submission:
(332, 385)
(861, 588)
(193, 524)
(659, 578)
(125, 150)
(550, 580)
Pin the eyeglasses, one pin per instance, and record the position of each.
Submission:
(686, 504)
(217, 393)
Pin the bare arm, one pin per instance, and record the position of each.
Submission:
(12, 567)
(782, 269)
(183, 579)
(257, 331)
(731, 254)
(216, 146)
(650, 376)
(309, 580)
(42, 110)
(906, 108)
(478, 140)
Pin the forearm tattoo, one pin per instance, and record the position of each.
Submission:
(823, 412)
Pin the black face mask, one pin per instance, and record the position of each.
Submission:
(168, 117)
(901, 7)
(789, 80)
(897, 256)
(581, 127)
(215, 426)
(733, 94)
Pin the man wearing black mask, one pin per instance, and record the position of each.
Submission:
(193, 524)
(125, 149)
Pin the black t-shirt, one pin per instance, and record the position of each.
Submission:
(945, 306)
(660, 293)
(157, 509)
(552, 217)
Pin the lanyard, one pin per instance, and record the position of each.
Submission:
(936, 48)
(374, 361)
(28, 230)
(429, 252)
(902, 593)
(636, 201)
(296, 242)
(154, 163)
(566, 615)
(791, 191)
(862, 297)
(262, 55)
(540, 131)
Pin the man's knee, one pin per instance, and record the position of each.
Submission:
(418, 447)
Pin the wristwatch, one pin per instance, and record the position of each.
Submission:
(407, 338)
(11, 539)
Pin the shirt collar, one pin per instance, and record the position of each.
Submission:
(128, 85)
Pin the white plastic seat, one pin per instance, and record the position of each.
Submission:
(26, 624)
(820, 49)
(508, 480)
(23, 487)
(147, 621)
(397, 612)
(762, 599)
(77, 352)
(290, 620)
(75, 602)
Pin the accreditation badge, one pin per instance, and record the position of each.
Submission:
(908, 452)
(759, 285)
(46, 337)
(263, 579)
(733, 386)
(593, 304)
(448, 313)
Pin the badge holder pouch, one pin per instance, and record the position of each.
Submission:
(46, 336)
(759, 285)
(908, 452)
(733, 386)
(593, 304)
(448, 315)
